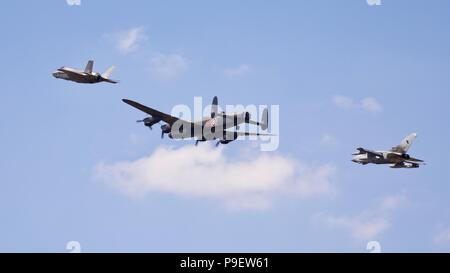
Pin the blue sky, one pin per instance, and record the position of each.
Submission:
(345, 74)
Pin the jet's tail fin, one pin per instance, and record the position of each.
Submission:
(406, 143)
(89, 67)
(214, 107)
(108, 72)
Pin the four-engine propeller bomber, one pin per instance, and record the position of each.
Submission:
(397, 156)
(209, 128)
(86, 76)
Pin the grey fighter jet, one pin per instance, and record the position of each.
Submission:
(209, 128)
(86, 76)
(397, 157)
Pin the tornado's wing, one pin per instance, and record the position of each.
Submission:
(362, 151)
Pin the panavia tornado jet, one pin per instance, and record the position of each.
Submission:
(209, 128)
(397, 157)
(86, 76)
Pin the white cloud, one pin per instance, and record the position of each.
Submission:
(130, 40)
(239, 71)
(206, 172)
(344, 102)
(167, 66)
(368, 104)
(370, 223)
(363, 228)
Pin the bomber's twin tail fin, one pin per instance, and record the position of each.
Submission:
(265, 119)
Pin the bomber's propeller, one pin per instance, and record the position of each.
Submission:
(149, 122)
(144, 121)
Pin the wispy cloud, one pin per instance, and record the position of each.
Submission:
(207, 172)
(168, 67)
(329, 140)
(370, 223)
(239, 71)
(130, 40)
(443, 236)
(367, 104)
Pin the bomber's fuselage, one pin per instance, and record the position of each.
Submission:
(207, 128)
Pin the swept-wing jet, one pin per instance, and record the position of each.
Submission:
(397, 157)
(86, 76)
(209, 128)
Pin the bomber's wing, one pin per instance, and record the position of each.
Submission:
(155, 113)
(247, 133)
(362, 151)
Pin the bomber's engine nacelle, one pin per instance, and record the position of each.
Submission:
(227, 138)
(165, 129)
(247, 117)
(150, 121)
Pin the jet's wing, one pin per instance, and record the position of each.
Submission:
(111, 81)
(415, 161)
(155, 113)
(369, 152)
(405, 165)
(72, 72)
(412, 159)
(398, 156)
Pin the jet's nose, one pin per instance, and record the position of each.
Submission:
(57, 74)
